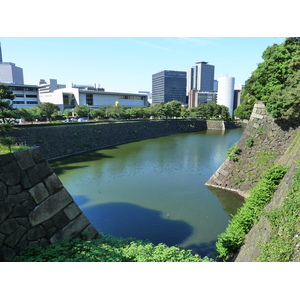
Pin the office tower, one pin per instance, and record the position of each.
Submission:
(168, 86)
(226, 92)
(201, 77)
(9, 73)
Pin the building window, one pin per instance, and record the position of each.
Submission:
(89, 99)
(31, 96)
(32, 102)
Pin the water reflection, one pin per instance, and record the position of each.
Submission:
(154, 189)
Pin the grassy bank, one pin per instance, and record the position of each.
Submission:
(231, 240)
(284, 243)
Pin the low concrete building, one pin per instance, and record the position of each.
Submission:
(94, 97)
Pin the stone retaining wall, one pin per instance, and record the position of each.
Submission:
(64, 140)
(35, 208)
(269, 143)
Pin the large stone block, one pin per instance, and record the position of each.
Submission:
(39, 172)
(10, 174)
(39, 193)
(33, 234)
(24, 159)
(17, 198)
(3, 191)
(50, 207)
(37, 154)
(9, 226)
(13, 239)
(72, 229)
(53, 184)
(72, 211)
(5, 210)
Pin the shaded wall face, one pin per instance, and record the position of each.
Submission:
(35, 208)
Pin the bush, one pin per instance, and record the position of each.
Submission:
(231, 240)
(249, 142)
(108, 249)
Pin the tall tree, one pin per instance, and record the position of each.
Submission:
(6, 109)
(47, 109)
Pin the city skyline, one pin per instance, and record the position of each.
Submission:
(127, 63)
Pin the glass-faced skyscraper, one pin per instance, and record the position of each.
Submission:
(168, 86)
(201, 77)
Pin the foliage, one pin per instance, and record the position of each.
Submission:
(241, 223)
(7, 141)
(232, 152)
(249, 142)
(47, 109)
(173, 109)
(244, 110)
(108, 249)
(82, 111)
(271, 79)
(285, 226)
(28, 114)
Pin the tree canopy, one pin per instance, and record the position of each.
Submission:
(268, 82)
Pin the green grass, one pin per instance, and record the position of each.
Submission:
(108, 249)
(241, 223)
(285, 221)
(14, 148)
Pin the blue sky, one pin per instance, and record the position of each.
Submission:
(127, 63)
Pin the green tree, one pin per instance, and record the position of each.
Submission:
(271, 76)
(159, 110)
(173, 109)
(115, 111)
(28, 114)
(98, 113)
(82, 111)
(7, 112)
(48, 110)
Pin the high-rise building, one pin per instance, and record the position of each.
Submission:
(9, 72)
(200, 78)
(168, 86)
(226, 92)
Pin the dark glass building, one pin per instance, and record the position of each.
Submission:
(168, 86)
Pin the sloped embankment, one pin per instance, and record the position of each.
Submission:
(263, 144)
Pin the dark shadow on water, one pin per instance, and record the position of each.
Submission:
(66, 164)
(128, 220)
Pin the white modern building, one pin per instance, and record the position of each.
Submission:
(226, 92)
(26, 95)
(45, 87)
(94, 97)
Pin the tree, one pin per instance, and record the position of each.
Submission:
(82, 111)
(28, 114)
(47, 109)
(6, 109)
(271, 75)
(159, 110)
(98, 113)
(173, 109)
(115, 111)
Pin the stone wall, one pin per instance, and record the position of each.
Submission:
(35, 208)
(59, 141)
(270, 141)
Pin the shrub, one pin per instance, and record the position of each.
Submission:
(230, 154)
(249, 142)
(108, 249)
(231, 240)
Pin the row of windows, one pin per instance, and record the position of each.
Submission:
(12, 88)
(23, 102)
(27, 96)
(132, 97)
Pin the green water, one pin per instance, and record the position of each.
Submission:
(154, 189)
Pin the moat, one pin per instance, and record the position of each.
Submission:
(154, 189)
